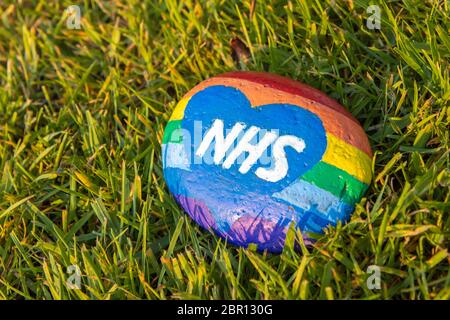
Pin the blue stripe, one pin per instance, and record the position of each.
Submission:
(309, 197)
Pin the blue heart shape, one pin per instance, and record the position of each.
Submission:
(231, 106)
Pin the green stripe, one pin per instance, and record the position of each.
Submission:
(170, 128)
(336, 181)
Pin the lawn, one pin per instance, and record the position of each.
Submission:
(82, 114)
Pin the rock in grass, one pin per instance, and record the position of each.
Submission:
(247, 154)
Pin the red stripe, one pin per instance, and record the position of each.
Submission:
(291, 86)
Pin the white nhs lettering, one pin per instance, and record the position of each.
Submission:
(223, 143)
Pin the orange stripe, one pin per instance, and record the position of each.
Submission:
(334, 122)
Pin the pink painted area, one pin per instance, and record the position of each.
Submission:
(198, 211)
(264, 233)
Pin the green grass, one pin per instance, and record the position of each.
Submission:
(82, 114)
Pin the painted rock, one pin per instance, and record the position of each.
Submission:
(246, 154)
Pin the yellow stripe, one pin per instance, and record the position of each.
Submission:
(178, 113)
(348, 158)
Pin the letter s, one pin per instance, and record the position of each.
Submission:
(281, 166)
